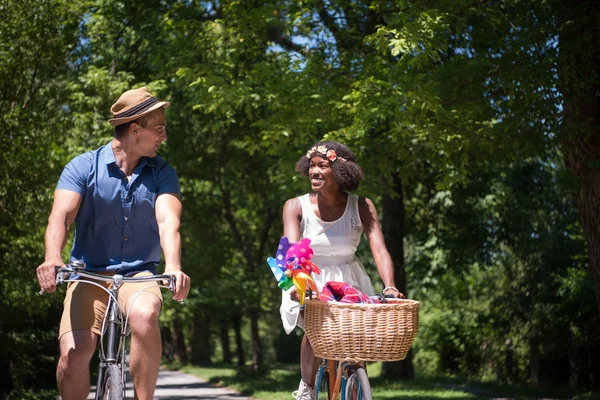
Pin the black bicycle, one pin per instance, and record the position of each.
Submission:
(115, 326)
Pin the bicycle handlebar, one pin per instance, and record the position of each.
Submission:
(76, 267)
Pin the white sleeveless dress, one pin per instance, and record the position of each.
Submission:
(334, 244)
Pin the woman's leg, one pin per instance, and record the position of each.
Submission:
(309, 364)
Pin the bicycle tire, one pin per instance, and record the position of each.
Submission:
(113, 383)
(357, 385)
(322, 384)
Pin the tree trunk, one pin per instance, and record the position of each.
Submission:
(179, 350)
(393, 232)
(257, 355)
(510, 372)
(225, 343)
(534, 357)
(201, 338)
(575, 361)
(237, 329)
(167, 342)
(6, 384)
(579, 68)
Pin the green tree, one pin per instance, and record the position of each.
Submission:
(37, 39)
(577, 67)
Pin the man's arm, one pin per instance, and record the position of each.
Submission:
(64, 210)
(168, 217)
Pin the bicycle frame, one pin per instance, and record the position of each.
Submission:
(337, 380)
(115, 342)
(339, 373)
(114, 352)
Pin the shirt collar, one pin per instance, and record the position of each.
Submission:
(108, 157)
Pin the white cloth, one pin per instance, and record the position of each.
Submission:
(334, 244)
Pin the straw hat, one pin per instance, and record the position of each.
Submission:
(133, 104)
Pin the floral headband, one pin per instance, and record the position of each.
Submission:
(330, 154)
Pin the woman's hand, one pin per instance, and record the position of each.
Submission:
(293, 292)
(392, 291)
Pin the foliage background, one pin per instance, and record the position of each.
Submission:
(459, 112)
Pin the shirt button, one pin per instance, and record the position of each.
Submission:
(126, 218)
(128, 198)
(126, 239)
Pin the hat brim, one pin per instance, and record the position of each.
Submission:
(120, 121)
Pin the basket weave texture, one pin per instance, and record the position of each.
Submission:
(362, 332)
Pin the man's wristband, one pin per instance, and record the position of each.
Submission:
(390, 288)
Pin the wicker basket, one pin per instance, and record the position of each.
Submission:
(362, 332)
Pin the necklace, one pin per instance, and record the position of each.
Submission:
(330, 214)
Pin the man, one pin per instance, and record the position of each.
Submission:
(125, 201)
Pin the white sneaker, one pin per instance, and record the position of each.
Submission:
(304, 392)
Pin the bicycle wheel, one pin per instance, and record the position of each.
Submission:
(357, 385)
(113, 383)
(322, 384)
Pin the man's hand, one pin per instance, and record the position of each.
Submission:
(46, 274)
(182, 283)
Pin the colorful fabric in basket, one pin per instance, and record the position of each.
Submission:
(344, 293)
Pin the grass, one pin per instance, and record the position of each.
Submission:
(283, 379)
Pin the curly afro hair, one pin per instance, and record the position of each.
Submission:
(347, 174)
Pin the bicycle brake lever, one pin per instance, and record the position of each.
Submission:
(64, 273)
(60, 278)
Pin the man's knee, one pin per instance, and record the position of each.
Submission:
(76, 350)
(143, 315)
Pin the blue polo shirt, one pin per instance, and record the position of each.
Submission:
(115, 227)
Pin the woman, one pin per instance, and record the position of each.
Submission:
(334, 220)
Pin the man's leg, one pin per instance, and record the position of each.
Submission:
(146, 347)
(84, 308)
(73, 371)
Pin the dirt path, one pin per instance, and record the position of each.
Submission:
(176, 385)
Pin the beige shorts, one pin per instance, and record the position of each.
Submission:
(85, 304)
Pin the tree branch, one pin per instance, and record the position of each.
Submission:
(229, 217)
(264, 237)
(275, 35)
(328, 20)
(32, 88)
(228, 212)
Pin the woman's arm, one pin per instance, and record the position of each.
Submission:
(292, 214)
(371, 228)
